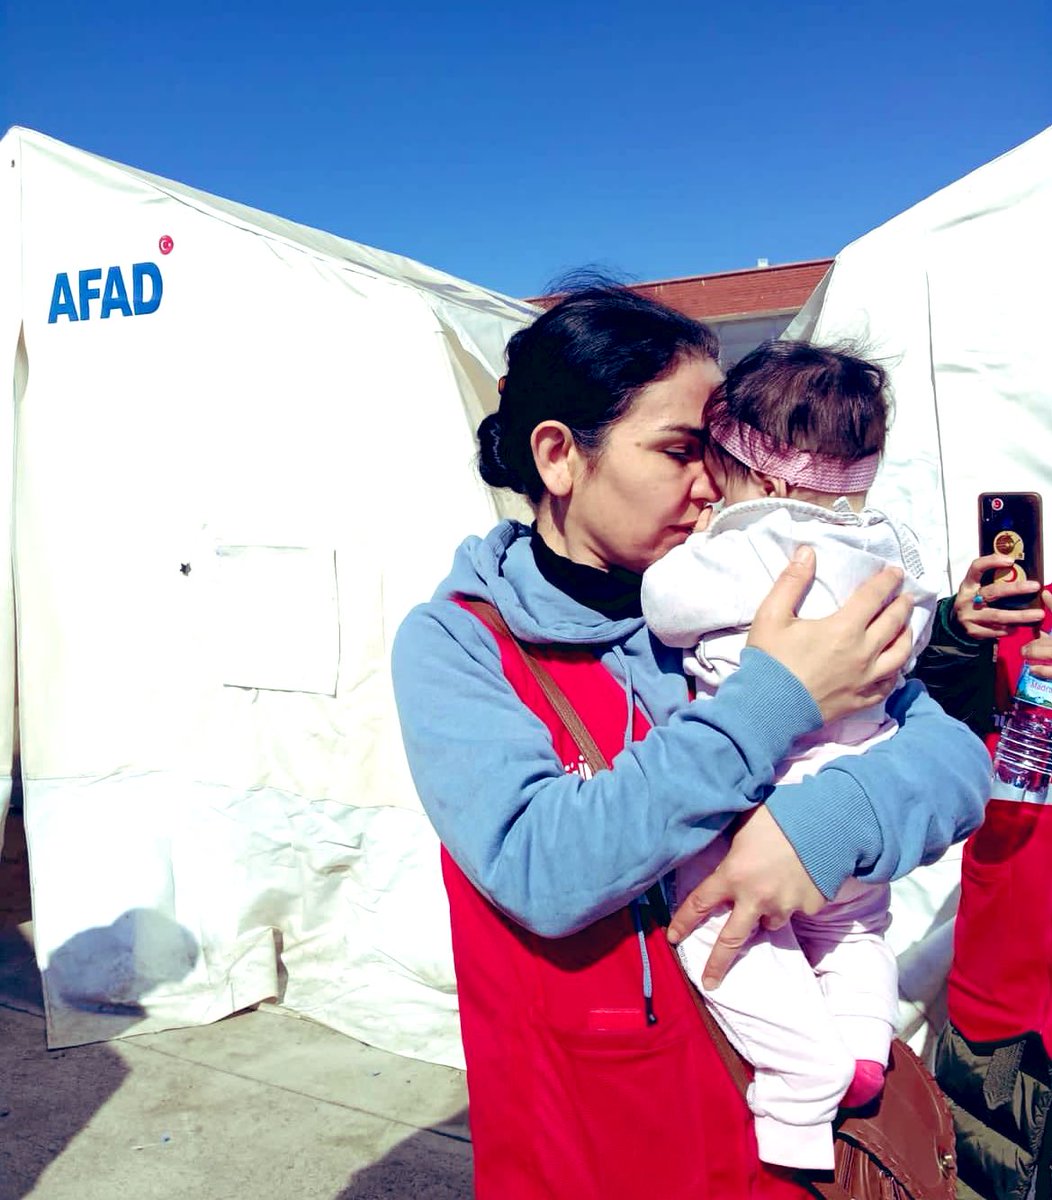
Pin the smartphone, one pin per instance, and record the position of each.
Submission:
(1010, 523)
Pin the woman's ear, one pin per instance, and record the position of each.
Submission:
(773, 488)
(556, 456)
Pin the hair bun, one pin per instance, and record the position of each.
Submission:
(492, 467)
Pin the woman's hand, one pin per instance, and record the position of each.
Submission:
(763, 881)
(983, 622)
(849, 660)
(704, 519)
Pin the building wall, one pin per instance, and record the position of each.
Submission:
(744, 307)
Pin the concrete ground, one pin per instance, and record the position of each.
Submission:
(261, 1104)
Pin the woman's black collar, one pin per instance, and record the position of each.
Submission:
(614, 593)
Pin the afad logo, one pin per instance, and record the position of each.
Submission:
(147, 289)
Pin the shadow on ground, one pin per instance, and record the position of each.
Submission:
(48, 1096)
(435, 1164)
(43, 1104)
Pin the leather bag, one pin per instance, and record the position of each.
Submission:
(900, 1147)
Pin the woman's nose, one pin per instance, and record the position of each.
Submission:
(704, 487)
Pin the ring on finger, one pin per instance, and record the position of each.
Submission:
(978, 600)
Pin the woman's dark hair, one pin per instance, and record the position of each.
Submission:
(815, 398)
(582, 363)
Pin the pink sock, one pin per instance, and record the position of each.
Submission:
(866, 1085)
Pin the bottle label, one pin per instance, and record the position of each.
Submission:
(1032, 690)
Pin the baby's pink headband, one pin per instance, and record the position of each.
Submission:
(800, 468)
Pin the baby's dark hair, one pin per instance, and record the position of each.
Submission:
(814, 398)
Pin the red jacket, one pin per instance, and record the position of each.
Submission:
(573, 1095)
(1000, 984)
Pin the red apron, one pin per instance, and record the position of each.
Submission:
(573, 1095)
(1000, 983)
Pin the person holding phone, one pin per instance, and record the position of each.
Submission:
(993, 1057)
(958, 665)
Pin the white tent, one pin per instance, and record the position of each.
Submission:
(241, 450)
(952, 296)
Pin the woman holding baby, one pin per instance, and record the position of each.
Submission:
(589, 1073)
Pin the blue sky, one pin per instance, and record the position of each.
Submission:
(509, 143)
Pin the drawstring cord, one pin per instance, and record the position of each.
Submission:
(630, 695)
(637, 905)
(648, 982)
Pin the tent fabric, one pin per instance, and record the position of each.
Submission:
(243, 450)
(12, 360)
(951, 297)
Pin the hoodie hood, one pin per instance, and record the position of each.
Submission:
(500, 567)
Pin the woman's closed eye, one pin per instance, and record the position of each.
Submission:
(684, 443)
(684, 451)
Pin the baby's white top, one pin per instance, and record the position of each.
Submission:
(703, 595)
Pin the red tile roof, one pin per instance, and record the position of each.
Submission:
(752, 292)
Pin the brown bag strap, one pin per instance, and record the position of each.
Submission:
(826, 1189)
(566, 712)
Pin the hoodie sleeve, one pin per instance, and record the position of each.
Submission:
(555, 851)
(901, 804)
(958, 671)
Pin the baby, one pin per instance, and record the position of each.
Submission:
(794, 436)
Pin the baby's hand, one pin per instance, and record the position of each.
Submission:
(705, 520)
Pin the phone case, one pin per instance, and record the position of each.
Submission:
(1010, 523)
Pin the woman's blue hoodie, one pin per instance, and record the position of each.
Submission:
(556, 851)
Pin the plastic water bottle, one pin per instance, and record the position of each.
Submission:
(1023, 761)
